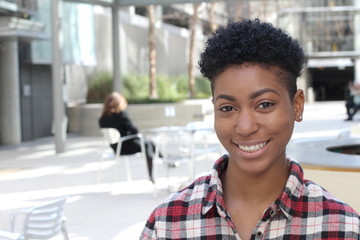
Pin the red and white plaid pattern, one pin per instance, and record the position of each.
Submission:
(303, 211)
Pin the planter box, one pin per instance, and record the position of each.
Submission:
(83, 119)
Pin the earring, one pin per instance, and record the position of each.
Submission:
(301, 118)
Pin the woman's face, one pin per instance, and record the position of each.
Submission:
(254, 116)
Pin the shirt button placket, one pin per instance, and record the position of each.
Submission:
(262, 226)
(272, 213)
(259, 234)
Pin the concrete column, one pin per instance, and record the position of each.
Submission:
(117, 83)
(57, 79)
(357, 70)
(357, 43)
(10, 115)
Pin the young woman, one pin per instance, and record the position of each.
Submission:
(114, 116)
(255, 191)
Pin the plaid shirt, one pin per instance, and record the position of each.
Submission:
(303, 211)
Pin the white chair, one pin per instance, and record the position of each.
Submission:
(173, 148)
(204, 138)
(112, 136)
(204, 141)
(41, 222)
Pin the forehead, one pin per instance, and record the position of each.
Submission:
(247, 76)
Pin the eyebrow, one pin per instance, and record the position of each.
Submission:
(226, 97)
(261, 92)
(252, 96)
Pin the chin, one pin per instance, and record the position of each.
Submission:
(253, 166)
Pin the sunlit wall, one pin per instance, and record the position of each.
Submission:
(78, 38)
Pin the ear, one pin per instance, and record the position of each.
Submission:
(298, 103)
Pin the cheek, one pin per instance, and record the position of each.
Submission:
(283, 126)
(222, 127)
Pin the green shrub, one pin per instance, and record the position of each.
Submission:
(172, 87)
(100, 85)
(136, 88)
(202, 87)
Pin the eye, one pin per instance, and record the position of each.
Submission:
(227, 109)
(265, 105)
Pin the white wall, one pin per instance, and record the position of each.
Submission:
(172, 51)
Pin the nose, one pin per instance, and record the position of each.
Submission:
(246, 123)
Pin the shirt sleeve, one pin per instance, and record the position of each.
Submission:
(148, 232)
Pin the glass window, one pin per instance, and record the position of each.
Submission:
(77, 34)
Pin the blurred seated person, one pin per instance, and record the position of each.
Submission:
(353, 101)
(114, 116)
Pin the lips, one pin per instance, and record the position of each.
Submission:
(253, 148)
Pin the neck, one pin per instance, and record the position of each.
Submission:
(260, 188)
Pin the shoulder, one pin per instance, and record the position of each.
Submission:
(306, 199)
(122, 115)
(182, 206)
(319, 199)
(184, 201)
(108, 118)
(187, 206)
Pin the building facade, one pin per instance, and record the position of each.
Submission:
(17, 31)
(328, 30)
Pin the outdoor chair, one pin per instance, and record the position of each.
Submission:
(112, 136)
(41, 222)
(204, 139)
(173, 148)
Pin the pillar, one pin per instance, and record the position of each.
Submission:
(357, 43)
(57, 79)
(117, 83)
(10, 113)
(357, 70)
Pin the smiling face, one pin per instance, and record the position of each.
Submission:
(254, 117)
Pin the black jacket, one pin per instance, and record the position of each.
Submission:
(123, 124)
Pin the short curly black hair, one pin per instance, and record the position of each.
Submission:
(253, 42)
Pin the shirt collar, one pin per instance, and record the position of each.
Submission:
(214, 194)
(288, 202)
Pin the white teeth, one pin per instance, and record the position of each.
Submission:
(253, 148)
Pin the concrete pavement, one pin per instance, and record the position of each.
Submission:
(31, 173)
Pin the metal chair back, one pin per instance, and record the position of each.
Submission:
(45, 221)
(40, 222)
